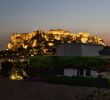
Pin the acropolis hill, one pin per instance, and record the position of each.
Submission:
(44, 41)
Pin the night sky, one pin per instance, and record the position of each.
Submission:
(73, 15)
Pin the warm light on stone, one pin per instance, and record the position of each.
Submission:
(51, 38)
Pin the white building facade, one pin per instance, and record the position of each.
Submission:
(76, 72)
(85, 73)
(78, 49)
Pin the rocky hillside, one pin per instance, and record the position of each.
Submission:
(45, 41)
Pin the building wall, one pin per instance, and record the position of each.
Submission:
(70, 72)
(94, 74)
(74, 72)
(77, 49)
(105, 75)
(90, 50)
(68, 49)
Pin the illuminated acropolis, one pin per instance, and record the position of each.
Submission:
(45, 41)
(21, 39)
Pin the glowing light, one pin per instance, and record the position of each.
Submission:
(32, 55)
(15, 76)
(25, 46)
(50, 44)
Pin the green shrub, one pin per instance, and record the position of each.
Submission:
(52, 62)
